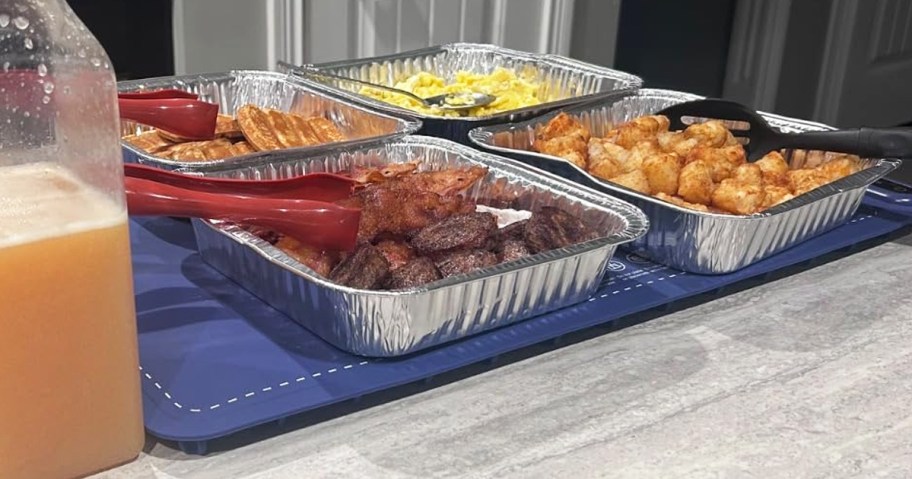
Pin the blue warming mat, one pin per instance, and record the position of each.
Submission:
(216, 360)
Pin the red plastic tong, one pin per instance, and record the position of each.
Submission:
(175, 111)
(299, 207)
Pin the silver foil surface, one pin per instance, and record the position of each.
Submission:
(693, 241)
(568, 81)
(234, 89)
(392, 323)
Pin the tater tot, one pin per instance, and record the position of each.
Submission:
(814, 158)
(711, 133)
(680, 202)
(605, 168)
(736, 197)
(601, 149)
(668, 140)
(638, 154)
(676, 142)
(773, 195)
(803, 180)
(562, 125)
(571, 148)
(662, 172)
(774, 169)
(611, 135)
(749, 173)
(653, 123)
(639, 129)
(731, 140)
(695, 184)
(838, 168)
(635, 180)
(723, 161)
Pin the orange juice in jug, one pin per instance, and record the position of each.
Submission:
(69, 375)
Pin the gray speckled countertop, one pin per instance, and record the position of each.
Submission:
(806, 376)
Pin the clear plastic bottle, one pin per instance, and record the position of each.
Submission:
(69, 380)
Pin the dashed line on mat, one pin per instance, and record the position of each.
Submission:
(247, 395)
(638, 285)
(639, 273)
(363, 363)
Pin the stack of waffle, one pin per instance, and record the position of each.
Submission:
(253, 129)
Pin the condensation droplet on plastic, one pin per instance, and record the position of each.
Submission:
(28, 43)
(107, 66)
(6, 66)
(42, 69)
(95, 61)
(49, 87)
(27, 114)
(45, 99)
(21, 22)
(81, 53)
(66, 90)
(4, 20)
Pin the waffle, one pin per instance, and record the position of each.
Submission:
(272, 129)
(253, 129)
(225, 127)
(257, 128)
(326, 131)
(200, 150)
(149, 141)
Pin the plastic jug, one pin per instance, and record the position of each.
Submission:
(69, 379)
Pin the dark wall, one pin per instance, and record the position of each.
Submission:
(135, 33)
(676, 44)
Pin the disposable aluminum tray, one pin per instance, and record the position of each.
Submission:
(570, 81)
(232, 90)
(392, 323)
(704, 243)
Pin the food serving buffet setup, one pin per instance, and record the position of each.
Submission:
(347, 239)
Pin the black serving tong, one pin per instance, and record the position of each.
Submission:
(759, 138)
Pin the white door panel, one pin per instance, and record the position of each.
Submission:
(218, 35)
(867, 64)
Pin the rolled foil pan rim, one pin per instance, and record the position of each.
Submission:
(629, 81)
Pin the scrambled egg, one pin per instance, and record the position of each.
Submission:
(511, 92)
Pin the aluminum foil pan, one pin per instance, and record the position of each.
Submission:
(569, 81)
(392, 323)
(234, 89)
(703, 243)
